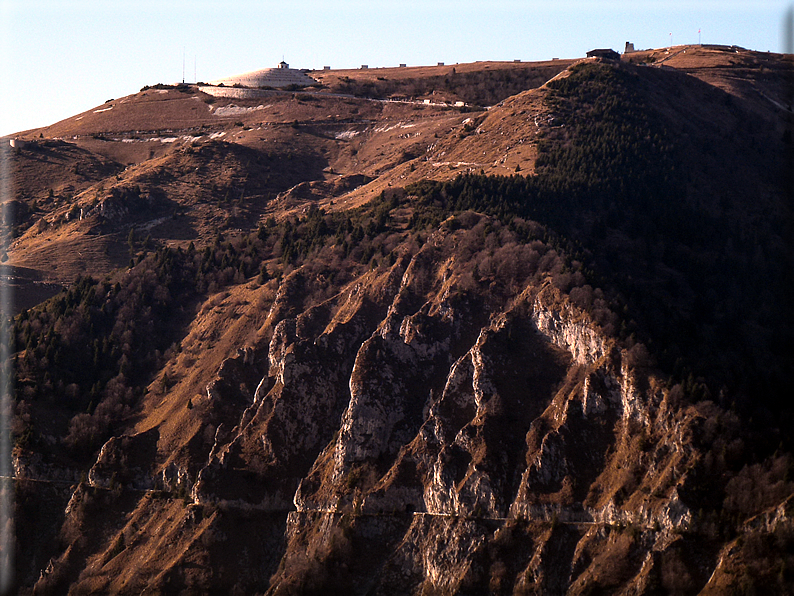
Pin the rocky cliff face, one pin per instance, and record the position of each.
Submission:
(409, 434)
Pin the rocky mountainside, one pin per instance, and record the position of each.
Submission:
(329, 343)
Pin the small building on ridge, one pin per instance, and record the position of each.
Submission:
(606, 54)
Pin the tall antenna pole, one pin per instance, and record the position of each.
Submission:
(183, 64)
(671, 41)
(699, 38)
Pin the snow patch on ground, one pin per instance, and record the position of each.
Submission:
(103, 110)
(392, 127)
(233, 110)
(217, 135)
(185, 138)
(347, 135)
(458, 164)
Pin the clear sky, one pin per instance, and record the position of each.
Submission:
(62, 57)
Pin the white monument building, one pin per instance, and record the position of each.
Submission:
(246, 84)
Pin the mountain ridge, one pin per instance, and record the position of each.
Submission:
(382, 347)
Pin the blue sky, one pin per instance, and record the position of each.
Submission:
(63, 57)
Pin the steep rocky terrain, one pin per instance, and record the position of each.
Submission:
(329, 343)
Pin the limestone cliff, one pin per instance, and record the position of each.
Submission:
(409, 434)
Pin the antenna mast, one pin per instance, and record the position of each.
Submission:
(183, 65)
